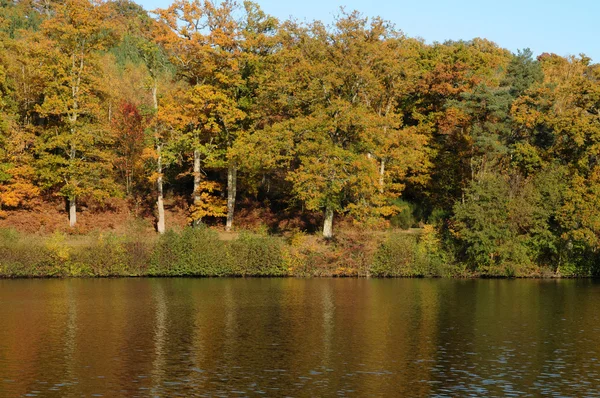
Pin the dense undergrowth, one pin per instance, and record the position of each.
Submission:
(201, 253)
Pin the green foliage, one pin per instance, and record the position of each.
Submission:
(405, 218)
(437, 217)
(107, 256)
(19, 17)
(256, 255)
(407, 255)
(482, 222)
(200, 252)
(522, 72)
(508, 224)
(19, 256)
(192, 252)
(432, 256)
(396, 257)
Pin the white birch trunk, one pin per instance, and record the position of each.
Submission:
(160, 224)
(73, 119)
(381, 175)
(328, 223)
(72, 212)
(196, 194)
(231, 193)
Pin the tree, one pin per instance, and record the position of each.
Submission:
(522, 72)
(74, 155)
(129, 126)
(559, 122)
(458, 94)
(325, 85)
(201, 44)
(218, 56)
(506, 222)
(398, 136)
(17, 174)
(144, 45)
(209, 112)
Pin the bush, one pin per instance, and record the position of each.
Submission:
(138, 256)
(430, 257)
(58, 256)
(105, 256)
(20, 257)
(191, 252)
(30, 256)
(200, 252)
(256, 255)
(396, 257)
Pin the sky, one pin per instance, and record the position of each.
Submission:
(563, 27)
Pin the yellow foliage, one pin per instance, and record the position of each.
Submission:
(19, 190)
(58, 248)
(207, 204)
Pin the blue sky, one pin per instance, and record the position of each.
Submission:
(559, 26)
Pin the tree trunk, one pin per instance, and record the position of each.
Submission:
(231, 193)
(160, 224)
(72, 212)
(381, 175)
(72, 152)
(328, 223)
(128, 178)
(197, 221)
(382, 163)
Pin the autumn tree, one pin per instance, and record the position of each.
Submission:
(327, 81)
(129, 125)
(146, 81)
(20, 91)
(17, 174)
(558, 123)
(458, 82)
(397, 136)
(218, 55)
(74, 155)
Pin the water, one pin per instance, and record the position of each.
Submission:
(295, 337)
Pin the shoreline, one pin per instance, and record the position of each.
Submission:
(201, 252)
(475, 277)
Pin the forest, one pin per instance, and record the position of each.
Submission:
(326, 133)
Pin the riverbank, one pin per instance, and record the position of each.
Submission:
(204, 252)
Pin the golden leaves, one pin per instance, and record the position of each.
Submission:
(206, 203)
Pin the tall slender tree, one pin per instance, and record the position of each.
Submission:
(74, 146)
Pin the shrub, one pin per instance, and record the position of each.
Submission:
(256, 255)
(191, 252)
(105, 256)
(430, 257)
(396, 257)
(19, 256)
(58, 252)
(138, 256)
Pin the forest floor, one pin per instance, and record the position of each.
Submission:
(119, 216)
(122, 217)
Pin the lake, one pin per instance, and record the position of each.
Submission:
(299, 337)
